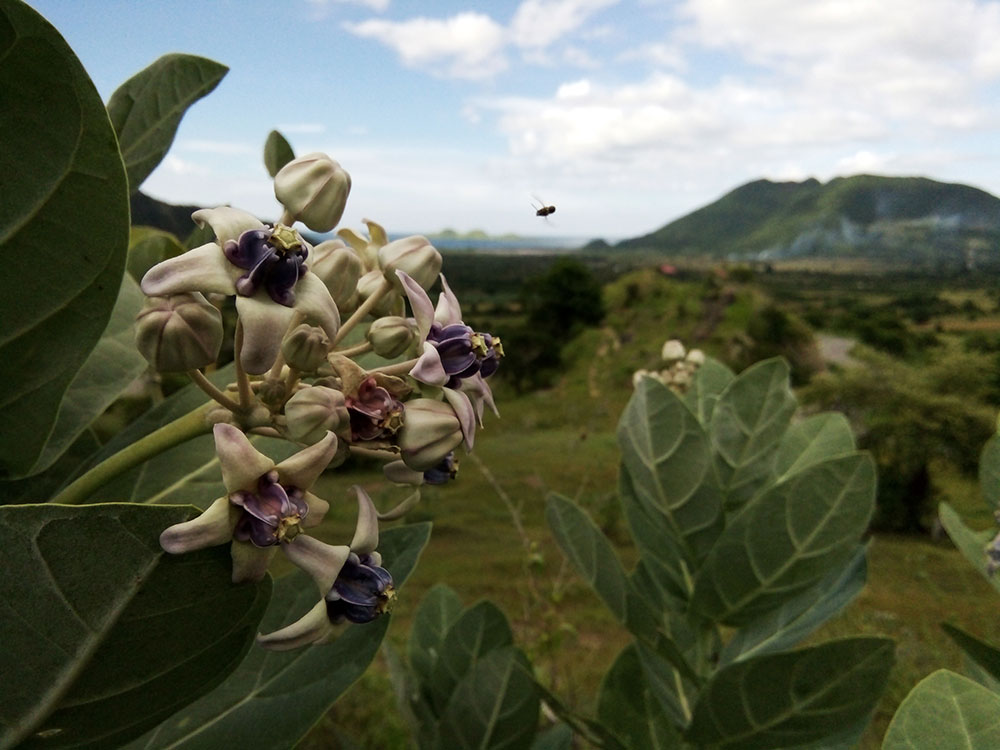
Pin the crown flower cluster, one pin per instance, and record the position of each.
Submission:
(304, 313)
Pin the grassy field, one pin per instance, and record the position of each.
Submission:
(490, 539)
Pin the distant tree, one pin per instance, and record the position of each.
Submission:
(910, 419)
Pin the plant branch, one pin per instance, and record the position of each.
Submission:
(213, 392)
(362, 312)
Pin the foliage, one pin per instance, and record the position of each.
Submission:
(910, 418)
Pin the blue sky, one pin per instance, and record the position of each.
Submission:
(625, 114)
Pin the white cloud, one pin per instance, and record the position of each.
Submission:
(539, 23)
(302, 128)
(230, 148)
(864, 161)
(659, 54)
(468, 45)
(321, 8)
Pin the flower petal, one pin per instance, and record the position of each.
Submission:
(264, 325)
(211, 528)
(227, 222)
(429, 368)
(479, 393)
(313, 300)
(376, 232)
(423, 310)
(250, 562)
(366, 532)
(242, 464)
(402, 509)
(317, 509)
(400, 473)
(321, 561)
(204, 269)
(465, 413)
(312, 627)
(303, 468)
(448, 311)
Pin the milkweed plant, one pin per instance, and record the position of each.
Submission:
(137, 607)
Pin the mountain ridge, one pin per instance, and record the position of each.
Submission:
(911, 220)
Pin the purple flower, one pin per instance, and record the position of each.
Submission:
(443, 472)
(274, 259)
(363, 590)
(374, 412)
(265, 506)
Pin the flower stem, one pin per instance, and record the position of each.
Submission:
(182, 429)
(353, 351)
(210, 388)
(362, 311)
(242, 381)
(373, 453)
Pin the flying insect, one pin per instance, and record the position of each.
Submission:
(543, 210)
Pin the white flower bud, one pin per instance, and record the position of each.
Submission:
(431, 430)
(672, 351)
(390, 304)
(314, 190)
(391, 335)
(696, 357)
(305, 348)
(313, 411)
(415, 255)
(179, 333)
(339, 267)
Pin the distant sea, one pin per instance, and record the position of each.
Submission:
(547, 244)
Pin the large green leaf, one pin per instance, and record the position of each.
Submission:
(946, 710)
(277, 152)
(437, 612)
(63, 228)
(793, 698)
(749, 419)
(274, 698)
(494, 707)
(972, 544)
(989, 472)
(148, 107)
(111, 367)
(475, 633)
(786, 540)
(708, 383)
(557, 737)
(812, 440)
(104, 634)
(986, 656)
(627, 707)
(786, 626)
(667, 456)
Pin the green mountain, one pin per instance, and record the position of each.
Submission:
(909, 220)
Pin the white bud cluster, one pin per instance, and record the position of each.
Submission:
(679, 367)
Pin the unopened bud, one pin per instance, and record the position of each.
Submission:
(179, 333)
(339, 267)
(390, 304)
(672, 351)
(312, 411)
(305, 348)
(414, 255)
(314, 190)
(391, 335)
(431, 430)
(695, 357)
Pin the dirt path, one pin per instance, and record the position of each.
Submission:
(836, 350)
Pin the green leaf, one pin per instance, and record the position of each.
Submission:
(479, 630)
(989, 472)
(786, 626)
(557, 737)
(147, 109)
(749, 420)
(946, 710)
(292, 689)
(667, 456)
(627, 707)
(673, 695)
(812, 440)
(793, 698)
(494, 706)
(115, 635)
(63, 228)
(982, 653)
(111, 368)
(277, 152)
(437, 612)
(149, 246)
(786, 540)
(708, 383)
(972, 544)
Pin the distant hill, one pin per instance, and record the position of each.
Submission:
(150, 212)
(909, 220)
